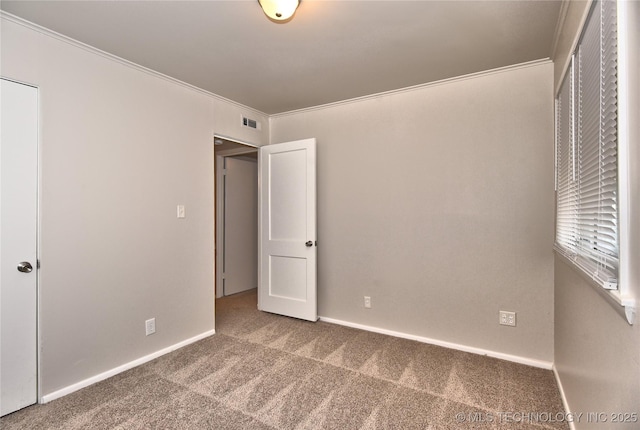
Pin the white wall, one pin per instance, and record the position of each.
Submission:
(438, 203)
(120, 148)
(597, 353)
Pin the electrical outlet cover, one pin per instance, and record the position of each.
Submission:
(150, 326)
(507, 318)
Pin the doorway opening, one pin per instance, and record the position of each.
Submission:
(236, 216)
(279, 257)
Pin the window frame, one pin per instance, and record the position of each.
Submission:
(620, 297)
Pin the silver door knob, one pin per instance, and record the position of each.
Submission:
(309, 243)
(25, 267)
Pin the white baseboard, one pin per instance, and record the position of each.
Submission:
(515, 358)
(572, 425)
(112, 372)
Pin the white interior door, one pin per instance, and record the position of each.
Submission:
(240, 265)
(18, 180)
(288, 254)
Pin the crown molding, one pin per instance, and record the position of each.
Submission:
(53, 34)
(417, 87)
(61, 37)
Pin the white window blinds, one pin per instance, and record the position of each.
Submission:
(586, 151)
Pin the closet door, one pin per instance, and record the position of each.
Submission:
(18, 284)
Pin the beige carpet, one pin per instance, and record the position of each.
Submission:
(262, 371)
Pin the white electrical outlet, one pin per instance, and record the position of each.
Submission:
(367, 302)
(150, 326)
(508, 318)
(180, 210)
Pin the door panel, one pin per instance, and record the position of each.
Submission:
(287, 175)
(18, 207)
(240, 226)
(287, 284)
(286, 274)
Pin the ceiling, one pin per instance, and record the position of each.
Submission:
(329, 51)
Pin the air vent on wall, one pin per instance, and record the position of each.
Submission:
(251, 123)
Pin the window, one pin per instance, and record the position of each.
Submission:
(587, 151)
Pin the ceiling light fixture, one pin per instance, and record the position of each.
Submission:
(279, 10)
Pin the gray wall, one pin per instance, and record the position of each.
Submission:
(120, 148)
(597, 353)
(438, 203)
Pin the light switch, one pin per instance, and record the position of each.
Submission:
(180, 211)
